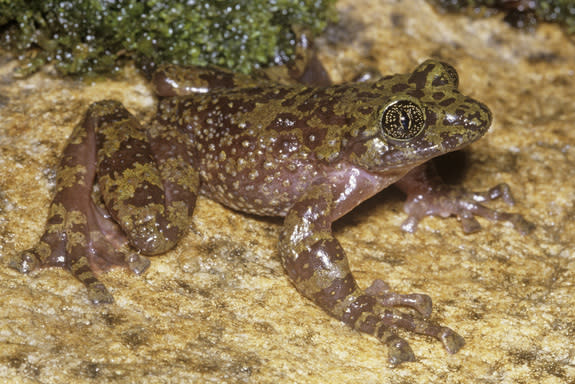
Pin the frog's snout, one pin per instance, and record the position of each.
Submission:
(470, 117)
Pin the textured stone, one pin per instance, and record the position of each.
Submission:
(219, 308)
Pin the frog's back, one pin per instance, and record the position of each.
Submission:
(254, 147)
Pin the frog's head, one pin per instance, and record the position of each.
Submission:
(416, 117)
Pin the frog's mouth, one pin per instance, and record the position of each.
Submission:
(411, 154)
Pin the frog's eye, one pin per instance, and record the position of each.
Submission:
(402, 120)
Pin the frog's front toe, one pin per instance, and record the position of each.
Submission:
(368, 314)
(25, 262)
(452, 341)
(399, 351)
(382, 292)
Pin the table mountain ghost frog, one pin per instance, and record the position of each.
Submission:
(307, 153)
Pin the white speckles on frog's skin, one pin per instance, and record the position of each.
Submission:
(309, 154)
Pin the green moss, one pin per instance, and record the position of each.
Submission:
(519, 13)
(86, 36)
(562, 11)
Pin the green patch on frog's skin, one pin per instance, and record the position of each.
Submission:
(310, 154)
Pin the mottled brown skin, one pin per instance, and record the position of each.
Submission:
(310, 154)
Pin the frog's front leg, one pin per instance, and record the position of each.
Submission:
(427, 195)
(318, 266)
(145, 182)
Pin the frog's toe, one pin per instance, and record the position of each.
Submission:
(410, 224)
(381, 291)
(521, 225)
(501, 190)
(399, 351)
(99, 294)
(452, 341)
(137, 263)
(469, 223)
(26, 262)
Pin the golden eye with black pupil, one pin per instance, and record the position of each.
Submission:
(402, 120)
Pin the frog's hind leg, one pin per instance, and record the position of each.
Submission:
(86, 237)
(79, 236)
(318, 266)
(146, 179)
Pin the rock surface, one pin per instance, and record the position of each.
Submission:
(219, 308)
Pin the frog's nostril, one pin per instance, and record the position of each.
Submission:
(476, 116)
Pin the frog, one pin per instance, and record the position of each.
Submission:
(309, 151)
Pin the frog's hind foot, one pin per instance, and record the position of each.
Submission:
(94, 246)
(29, 260)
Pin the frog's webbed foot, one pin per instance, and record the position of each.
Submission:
(85, 242)
(427, 195)
(143, 199)
(447, 200)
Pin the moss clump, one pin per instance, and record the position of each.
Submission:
(562, 11)
(86, 36)
(522, 13)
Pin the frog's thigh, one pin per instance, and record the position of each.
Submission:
(79, 234)
(133, 186)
